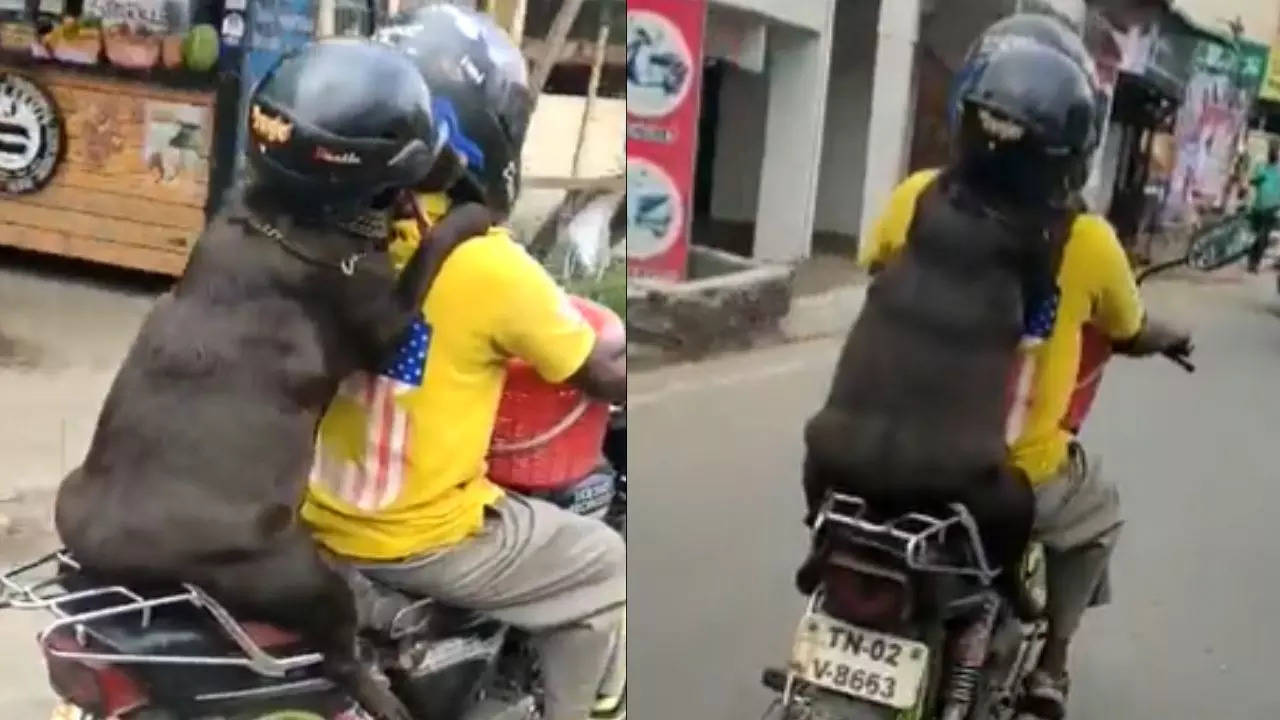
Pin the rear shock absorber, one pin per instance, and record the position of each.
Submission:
(969, 654)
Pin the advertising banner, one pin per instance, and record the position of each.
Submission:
(1214, 113)
(664, 77)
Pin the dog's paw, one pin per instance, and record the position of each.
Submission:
(378, 699)
(461, 223)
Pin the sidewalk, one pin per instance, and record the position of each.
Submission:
(63, 332)
(826, 297)
(828, 293)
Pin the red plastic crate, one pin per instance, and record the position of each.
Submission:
(548, 436)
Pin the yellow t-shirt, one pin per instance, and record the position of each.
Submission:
(400, 468)
(1096, 286)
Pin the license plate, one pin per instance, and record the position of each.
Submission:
(860, 663)
(67, 711)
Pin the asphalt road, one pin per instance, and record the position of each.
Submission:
(1192, 635)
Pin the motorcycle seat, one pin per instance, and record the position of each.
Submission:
(181, 629)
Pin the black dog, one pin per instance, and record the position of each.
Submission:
(915, 418)
(201, 454)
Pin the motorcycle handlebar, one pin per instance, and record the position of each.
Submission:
(1182, 361)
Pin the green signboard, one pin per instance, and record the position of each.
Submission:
(1247, 65)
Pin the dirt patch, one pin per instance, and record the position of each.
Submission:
(19, 354)
(26, 525)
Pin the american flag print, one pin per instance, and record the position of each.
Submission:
(1039, 318)
(374, 479)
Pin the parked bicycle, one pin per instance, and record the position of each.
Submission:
(1214, 245)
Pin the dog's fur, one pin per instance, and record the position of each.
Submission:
(915, 418)
(201, 454)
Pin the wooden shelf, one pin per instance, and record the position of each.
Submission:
(132, 182)
(159, 76)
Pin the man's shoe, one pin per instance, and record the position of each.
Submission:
(610, 708)
(1045, 697)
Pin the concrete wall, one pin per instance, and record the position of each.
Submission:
(844, 147)
(807, 14)
(1261, 18)
(739, 139)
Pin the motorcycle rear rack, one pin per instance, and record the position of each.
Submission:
(912, 536)
(21, 591)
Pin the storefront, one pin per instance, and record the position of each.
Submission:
(1149, 89)
(1224, 76)
(120, 119)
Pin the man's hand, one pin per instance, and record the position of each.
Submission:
(604, 375)
(1157, 337)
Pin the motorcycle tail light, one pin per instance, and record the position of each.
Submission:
(864, 594)
(100, 689)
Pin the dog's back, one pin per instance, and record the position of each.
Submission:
(227, 376)
(917, 408)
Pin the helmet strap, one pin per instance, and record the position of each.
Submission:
(346, 265)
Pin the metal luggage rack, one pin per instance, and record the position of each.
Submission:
(22, 588)
(915, 537)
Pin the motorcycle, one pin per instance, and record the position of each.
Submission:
(910, 620)
(175, 653)
(907, 621)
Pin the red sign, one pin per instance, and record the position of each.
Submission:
(664, 83)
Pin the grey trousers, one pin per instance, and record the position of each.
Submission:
(557, 575)
(1078, 520)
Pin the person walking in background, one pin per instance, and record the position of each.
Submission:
(1266, 202)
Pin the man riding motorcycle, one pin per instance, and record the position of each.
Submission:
(398, 487)
(1025, 81)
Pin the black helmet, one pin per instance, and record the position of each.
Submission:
(338, 123)
(480, 95)
(1028, 109)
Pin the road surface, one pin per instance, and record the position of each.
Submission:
(1192, 635)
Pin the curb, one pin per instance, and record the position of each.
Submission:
(811, 317)
(726, 306)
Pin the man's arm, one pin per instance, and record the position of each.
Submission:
(541, 326)
(1118, 308)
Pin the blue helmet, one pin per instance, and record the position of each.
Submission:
(1028, 99)
(480, 96)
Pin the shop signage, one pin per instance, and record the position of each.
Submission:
(1245, 67)
(664, 77)
(1270, 89)
(31, 135)
(1215, 109)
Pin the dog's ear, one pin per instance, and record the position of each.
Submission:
(439, 240)
(396, 313)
